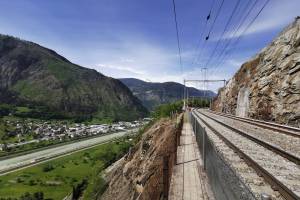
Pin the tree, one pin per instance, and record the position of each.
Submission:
(48, 168)
(39, 196)
(26, 196)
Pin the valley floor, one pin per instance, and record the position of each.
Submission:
(57, 178)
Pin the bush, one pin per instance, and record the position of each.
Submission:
(32, 182)
(35, 196)
(20, 180)
(166, 110)
(5, 109)
(79, 188)
(48, 168)
(199, 102)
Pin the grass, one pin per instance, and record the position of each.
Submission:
(3, 133)
(56, 178)
(2, 129)
(28, 89)
(62, 70)
(23, 109)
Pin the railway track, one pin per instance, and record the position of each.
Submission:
(248, 153)
(293, 131)
(280, 151)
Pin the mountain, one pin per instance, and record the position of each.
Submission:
(268, 85)
(37, 77)
(153, 94)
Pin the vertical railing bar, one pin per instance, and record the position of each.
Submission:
(203, 149)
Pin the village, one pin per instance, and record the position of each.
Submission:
(31, 132)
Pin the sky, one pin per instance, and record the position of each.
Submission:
(137, 38)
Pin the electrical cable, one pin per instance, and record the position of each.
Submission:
(246, 29)
(202, 33)
(177, 35)
(225, 28)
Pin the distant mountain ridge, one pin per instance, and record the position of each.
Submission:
(152, 94)
(35, 76)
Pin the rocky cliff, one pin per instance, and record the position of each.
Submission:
(32, 75)
(144, 173)
(267, 86)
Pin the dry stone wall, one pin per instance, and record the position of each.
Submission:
(267, 86)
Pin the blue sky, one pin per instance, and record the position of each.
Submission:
(136, 38)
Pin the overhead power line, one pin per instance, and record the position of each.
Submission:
(220, 57)
(242, 21)
(253, 20)
(224, 30)
(200, 42)
(213, 24)
(178, 44)
(177, 35)
(211, 28)
(245, 30)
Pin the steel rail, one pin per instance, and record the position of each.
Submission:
(278, 150)
(288, 130)
(273, 181)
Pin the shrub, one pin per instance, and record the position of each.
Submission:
(32, 182)
(48, 168)
(166, 110)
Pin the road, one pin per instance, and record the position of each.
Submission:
(16, 163)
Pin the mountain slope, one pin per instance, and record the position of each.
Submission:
(37, 76)
(153, 94)
(267, 86)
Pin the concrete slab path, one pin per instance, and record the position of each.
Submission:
(189, 181)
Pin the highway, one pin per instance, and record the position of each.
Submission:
(16, 163)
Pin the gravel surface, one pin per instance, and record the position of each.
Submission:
(287, 172)
(288, 143)
(247, 174)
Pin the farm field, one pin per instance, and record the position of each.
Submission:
(57, 178)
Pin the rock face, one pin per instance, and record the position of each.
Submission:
(140, 174)
(268, 86)
(33, 75)
(153, 94)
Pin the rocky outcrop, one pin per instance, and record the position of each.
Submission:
(268, 86)
(145, 171)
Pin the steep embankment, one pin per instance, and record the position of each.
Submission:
(153, 94)
(268, 86)
(145, 171)
(36, 76)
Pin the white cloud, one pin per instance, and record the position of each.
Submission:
(150, 62)
(132, 57)
(276, 14)
(115, 68)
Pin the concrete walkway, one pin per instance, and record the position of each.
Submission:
(189, 181)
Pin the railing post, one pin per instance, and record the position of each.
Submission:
(203, 148)
(166, 176)
(194, 124)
